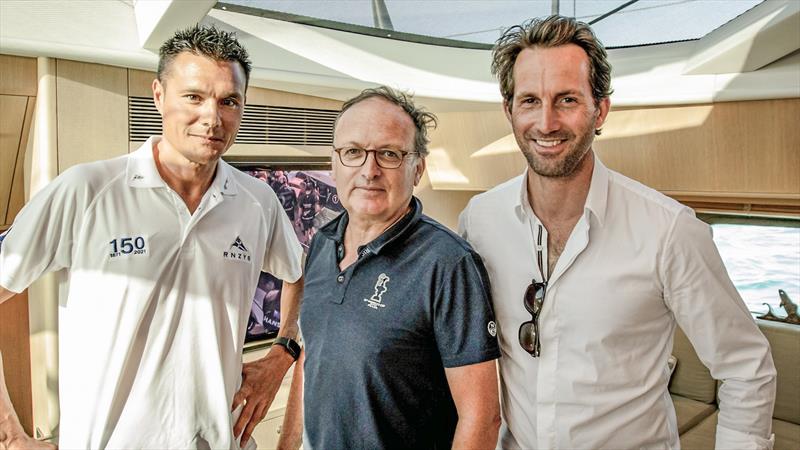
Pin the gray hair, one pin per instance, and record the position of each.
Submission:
(207, 41)
(422, 119)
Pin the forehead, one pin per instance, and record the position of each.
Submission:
(189, 68)
(561, 68)
(375, 122)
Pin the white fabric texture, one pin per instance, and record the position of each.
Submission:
(152, 326)
(636, 265)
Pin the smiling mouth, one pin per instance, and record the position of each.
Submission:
(548, 143)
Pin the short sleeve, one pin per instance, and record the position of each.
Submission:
(40, 239)
(283, 253)
(464, 320)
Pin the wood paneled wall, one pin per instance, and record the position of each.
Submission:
(17, 100)
(92, 112)
(737, 155)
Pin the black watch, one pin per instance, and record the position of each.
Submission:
(291, 346)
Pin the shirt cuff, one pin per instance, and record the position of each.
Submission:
(732, 439)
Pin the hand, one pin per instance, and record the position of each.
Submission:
(260, 382)
(25, 442)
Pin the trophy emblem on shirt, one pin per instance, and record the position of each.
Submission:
(375, 301)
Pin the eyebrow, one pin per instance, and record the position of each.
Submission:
(568, 92)
(193, 90)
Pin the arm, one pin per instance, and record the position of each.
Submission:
(710, 311)
(474, 390)
(261, 379)
(292, 429)
(12, 436)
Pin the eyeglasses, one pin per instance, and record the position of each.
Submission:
(529, 331)
(385, 157)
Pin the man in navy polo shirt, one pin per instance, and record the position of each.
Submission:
(396, 317)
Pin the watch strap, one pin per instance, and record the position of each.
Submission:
(291, 346)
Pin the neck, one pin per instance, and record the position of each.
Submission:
(188, 179)
(560, 199)
(362, 230)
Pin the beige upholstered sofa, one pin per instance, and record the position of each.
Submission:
(694, 392)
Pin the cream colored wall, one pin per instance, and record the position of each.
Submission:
(92, 112)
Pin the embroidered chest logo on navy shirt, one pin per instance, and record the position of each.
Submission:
(237, 251)
(376, 301)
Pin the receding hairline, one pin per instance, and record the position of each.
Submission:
(409, 121)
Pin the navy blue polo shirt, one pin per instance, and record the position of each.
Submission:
(379, 334)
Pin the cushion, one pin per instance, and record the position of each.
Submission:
(691, 378)
(703, 436)
(784, 338)
(690, 412)
(787, 435)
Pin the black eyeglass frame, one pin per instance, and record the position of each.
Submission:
(403, 154)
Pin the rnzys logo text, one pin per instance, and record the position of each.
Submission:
(133, 245)
(237, 251)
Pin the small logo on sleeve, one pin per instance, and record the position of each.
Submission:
(134, 245)
(492, 328)
(237, 251)
(376, 301)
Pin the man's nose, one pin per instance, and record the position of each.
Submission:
(211, 114)
(548, 120)
(371, 169)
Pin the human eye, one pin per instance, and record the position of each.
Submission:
(231, 102)
(529, 101)
(569, 100)
(353, 153)
(192, 98)
(390, 155)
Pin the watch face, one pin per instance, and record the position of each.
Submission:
(292, 347)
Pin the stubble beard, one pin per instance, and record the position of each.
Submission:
(557, 168)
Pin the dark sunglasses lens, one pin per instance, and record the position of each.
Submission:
(527, 337)
(534, 297)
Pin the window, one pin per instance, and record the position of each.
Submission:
(761, 258)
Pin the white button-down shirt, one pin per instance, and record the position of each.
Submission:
(636, 264)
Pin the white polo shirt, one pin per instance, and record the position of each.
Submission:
(152, 326)
(636, 264)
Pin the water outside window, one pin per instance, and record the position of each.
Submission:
(760, 260)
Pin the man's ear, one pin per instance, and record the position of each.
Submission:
(158, 96)
(603, 107)
(419, 170)
(507, 109)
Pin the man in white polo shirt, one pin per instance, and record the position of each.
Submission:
(160, 252)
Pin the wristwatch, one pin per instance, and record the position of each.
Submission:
(291, 346)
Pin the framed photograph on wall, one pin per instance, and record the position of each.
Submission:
(309, 199)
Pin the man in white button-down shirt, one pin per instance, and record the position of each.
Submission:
(592, 272)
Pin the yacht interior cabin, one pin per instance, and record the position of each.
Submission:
(705, 109)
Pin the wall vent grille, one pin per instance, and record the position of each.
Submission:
(260, 124)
